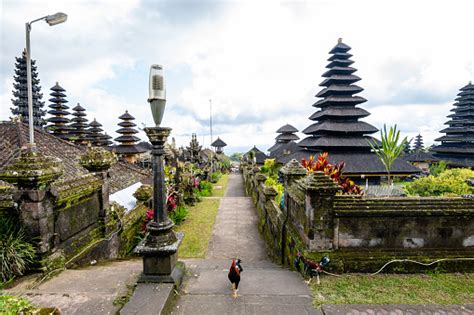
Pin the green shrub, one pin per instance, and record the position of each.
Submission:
(205, 189)
(178, 215)
(278, 187)
(14, 305)
(438, 168)
(215, 177)
(449, 183)
(15, 252)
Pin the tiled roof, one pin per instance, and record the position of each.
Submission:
(15, 137)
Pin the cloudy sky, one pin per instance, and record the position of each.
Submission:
(259, 61)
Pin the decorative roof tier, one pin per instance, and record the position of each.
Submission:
(95, 133)
(58, 121)
(20, 92)
(418, 146)
(78, 132)
(218, 144)
(457, 146)
(127, 141)
(337, 126)
(286, 135)
(106, 140)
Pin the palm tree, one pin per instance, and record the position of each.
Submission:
(390, 148)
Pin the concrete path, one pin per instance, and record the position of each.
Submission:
(265, 288)
(90, 290)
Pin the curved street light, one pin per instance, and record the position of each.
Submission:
(51, 20)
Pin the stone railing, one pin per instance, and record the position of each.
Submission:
(360, 233)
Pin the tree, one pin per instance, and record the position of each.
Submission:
(390, 148)
(236, 156)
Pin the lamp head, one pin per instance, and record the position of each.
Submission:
(56, 18)
(157, 93)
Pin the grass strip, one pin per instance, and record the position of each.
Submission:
(443, 288)
(198, 228)
(222, 182)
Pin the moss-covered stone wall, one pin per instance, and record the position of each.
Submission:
(363, 233)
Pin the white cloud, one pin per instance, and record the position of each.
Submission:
(259, 61)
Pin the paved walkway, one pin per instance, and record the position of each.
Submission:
(265, 288)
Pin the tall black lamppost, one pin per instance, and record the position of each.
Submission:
(160, 246)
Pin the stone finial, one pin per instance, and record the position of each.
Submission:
(269, 192)
(259, 177)
(98, 160)
(319, 181)
(339, 40)
(293, 168)
(32, 170)
(143, 193)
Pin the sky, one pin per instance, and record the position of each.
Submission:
(260, 62)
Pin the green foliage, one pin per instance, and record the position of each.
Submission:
(179, 214)
(14, 305)
(448, 183)
(205, 189)
(15, 252)
(438, 168)
(270, 167)
(236, 156)
(391, 147)
(278, 187)
(215, 177)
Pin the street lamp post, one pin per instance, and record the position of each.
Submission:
(51, 20)
(160, 246)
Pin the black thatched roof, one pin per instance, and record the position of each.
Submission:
(286, 134)
(15, 138)
(358, 163)
(419, 156)
(287, 129)
(260, 157)
(338, 117)
(127, 141)
(284, 149)
(218, 143)
(286, 137)
(58, 121)
(457, 146)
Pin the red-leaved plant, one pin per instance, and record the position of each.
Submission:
(171, 204)
(321, 164)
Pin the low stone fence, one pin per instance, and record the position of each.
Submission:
(68, 219)
(359, 233)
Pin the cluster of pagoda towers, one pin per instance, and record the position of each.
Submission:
(337, 127)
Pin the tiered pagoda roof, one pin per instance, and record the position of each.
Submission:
(337, 126)
(58, 121)
(457, 146)
(106, 140)
(20, 92)
(127, 141)
(79, 132)
(260, 157)
(95, 133)
(218, 144)
(418, 146)
(286, 135)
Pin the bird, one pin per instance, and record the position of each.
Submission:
(234, 276)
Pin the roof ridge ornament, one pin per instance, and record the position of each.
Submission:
(339, 40)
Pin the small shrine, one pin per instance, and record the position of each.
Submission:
(128, 148)
(58, 122)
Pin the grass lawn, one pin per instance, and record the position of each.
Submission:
(199, 223)
(223, 183)
(450, 288)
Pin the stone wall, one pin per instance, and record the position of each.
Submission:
(68, 218)
(359, 233)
